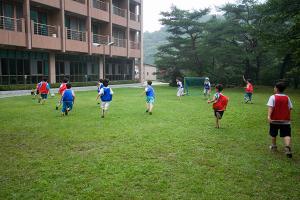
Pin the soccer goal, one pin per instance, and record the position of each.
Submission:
(193, 85)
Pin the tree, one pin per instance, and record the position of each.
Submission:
(185, 29)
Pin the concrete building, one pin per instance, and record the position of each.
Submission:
(83, 40)
(150, 72)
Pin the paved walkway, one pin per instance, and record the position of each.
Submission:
(13, 93)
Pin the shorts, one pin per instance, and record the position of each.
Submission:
(66, 105)
(248, 96)
(44, 96)
(285, 130)
(105, 105)
(180, 92)
(150, 100)
(219, 113)
(206, 91)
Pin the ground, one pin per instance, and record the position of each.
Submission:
(174, 154)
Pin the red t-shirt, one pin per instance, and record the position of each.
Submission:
(249, 88)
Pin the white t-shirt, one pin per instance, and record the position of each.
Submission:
(101, 92)
(179, 84)
(271, 101)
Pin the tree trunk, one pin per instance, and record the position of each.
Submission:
(247, 67)
(258, 66)
(284, 65)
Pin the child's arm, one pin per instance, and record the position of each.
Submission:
(212, 101)
(244, 79)
(270, 110)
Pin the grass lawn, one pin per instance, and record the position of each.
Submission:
(174, 154)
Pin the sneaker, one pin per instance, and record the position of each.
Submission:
(56, 108)
(147, 111)
(273, 147)
(39, 100)
(66, 112)
(288, 152)
(150, 113)
(102, 116)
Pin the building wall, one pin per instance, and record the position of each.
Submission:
(25, 35)
(150, 72)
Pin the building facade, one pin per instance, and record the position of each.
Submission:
(83, 40)
(150, 72)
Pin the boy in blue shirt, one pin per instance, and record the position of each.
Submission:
(106, 97)
(68, 98)
(207, 88)
(150, 97)
(99, 86)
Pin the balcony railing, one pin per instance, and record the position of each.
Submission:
(11, 24)
(100, 39)
(80, 1)
(44, 29)
(76, 35)
(119, 11)
(135, 45)
(100, 5)
(120, 42)
(134, 17)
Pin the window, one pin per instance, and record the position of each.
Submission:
(26, 67)
(60, 68)
(12, 67)
(40, 67)
(20, 69)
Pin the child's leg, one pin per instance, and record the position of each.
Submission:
(287, 141)
(217, 123)
(64, 108)
(147, 107)
(150, 107)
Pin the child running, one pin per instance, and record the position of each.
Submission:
(68, 99)
(106, 94)
(62, 88)
(150, 97)
(219, 104)
(207, 88)
(248, 90)
(279, 117)
(43, 88)
(180, 88)
(99, 86)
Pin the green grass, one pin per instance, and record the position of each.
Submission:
(174, 154)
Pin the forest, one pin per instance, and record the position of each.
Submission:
(258, 40)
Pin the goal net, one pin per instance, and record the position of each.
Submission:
(194, 85)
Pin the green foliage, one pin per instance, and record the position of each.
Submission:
(174, 154)
(260, 41)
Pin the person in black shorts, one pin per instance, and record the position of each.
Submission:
(279, 117)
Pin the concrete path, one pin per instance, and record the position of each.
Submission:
(13, 93)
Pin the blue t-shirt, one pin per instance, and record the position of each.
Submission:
(149, 91)
(207, 85)
(68, 95)
(106, 96)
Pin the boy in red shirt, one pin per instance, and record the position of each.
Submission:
(279, 117)
(44, 89)
(219, 104)
(62, 88)
(248, 90)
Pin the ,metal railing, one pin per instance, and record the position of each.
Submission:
(44, 29)
(119, 11)
(100, 5)
(100, 39)
(119, 42)
(134, 17)
(135, 45)
(11, 24)
(80, 1)
(76, 35)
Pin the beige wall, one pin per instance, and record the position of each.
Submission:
(149, 71)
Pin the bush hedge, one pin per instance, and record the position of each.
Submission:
(56, 85)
